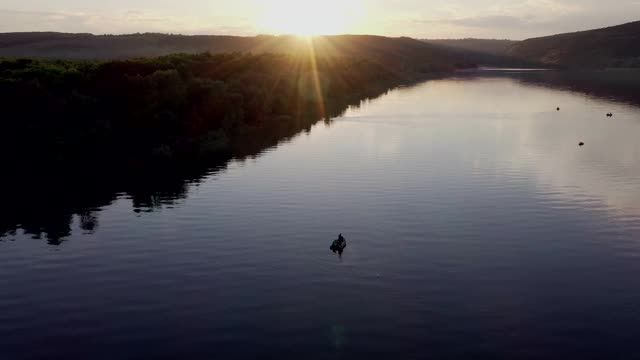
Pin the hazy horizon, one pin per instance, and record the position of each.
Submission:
(434, 19)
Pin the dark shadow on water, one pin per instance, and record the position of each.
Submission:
(44, 201)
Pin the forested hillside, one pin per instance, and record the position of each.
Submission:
(397, 54)
(483, 46)
(616, 46)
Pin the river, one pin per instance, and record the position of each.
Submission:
(477, 227)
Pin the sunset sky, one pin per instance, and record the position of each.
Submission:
(514, 19)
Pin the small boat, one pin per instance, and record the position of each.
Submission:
(339, 244)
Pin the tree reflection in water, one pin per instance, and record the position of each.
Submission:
(42, 200)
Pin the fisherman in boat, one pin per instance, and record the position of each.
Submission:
(339, 244)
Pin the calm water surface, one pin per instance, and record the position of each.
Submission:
(477, 229)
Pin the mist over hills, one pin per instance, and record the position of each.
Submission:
(482, 52)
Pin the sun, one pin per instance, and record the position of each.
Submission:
(309, 17)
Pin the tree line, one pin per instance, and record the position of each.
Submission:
(172, 107)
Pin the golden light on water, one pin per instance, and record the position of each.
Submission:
(302, 17)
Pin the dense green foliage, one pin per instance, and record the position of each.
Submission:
(178, 106)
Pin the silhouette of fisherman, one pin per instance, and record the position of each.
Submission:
(339, 244)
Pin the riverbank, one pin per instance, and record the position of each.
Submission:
(178, 107)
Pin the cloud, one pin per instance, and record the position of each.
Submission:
(530, 18)
(127, 21)
(493, 21)
(515, 19)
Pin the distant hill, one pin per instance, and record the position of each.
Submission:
(484, 46)
(401, 54)
(482, 52)
(616, 46)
